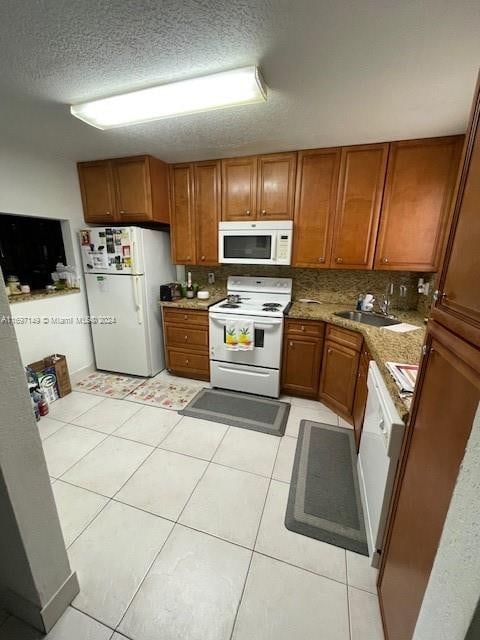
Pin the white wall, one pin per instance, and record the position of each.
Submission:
(454, 586)
(38, 185)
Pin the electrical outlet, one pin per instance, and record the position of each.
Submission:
(211, 277)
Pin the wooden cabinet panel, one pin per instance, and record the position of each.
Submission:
(189, 364)
(338, 378)
(345, 337)
(276, 186)
(361, 393)
(207, 193)
(458, 305)
(360, 191)
(185, 317)
(239, 188)
(316, 192)
(98, 192)
(177, 336)
(437, 436)
(182, 214)
(302, 358)
(132, 181)
(311, 328)
(420, 182)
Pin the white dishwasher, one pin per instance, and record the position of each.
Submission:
(378, 456)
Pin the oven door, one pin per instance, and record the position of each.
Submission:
(268, 342)
(247, 246)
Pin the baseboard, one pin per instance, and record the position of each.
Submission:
(57, 604)
(76, 376)
(43, 618)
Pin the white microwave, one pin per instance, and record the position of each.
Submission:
(265, 242)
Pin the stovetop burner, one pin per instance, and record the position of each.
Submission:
(229, 305)
(271, 305)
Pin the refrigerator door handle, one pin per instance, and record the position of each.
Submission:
(137, 301)
(134, 251)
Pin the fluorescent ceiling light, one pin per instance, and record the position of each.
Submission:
(216, 91)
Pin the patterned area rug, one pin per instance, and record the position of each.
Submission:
(110, 385)
(165, 394)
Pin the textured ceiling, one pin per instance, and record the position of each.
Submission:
(338, 71)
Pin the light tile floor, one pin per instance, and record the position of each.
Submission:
(175, 528)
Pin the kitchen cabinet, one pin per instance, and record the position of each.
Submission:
(186, 342)
(361, 393)
(195, 212)
(360, 192)
(276, 186)
(133, 189)
(182, 214)
(259, 187)
(444, 407)
(458, 300)
(339, 370)
(302, 357)
(239, 189)
(420, 182)
(316, 194)
(207, 206)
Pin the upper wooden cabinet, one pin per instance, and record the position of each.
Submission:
(316, 192)
(420, 182)
(276, 186)
(182, 214)
(239, 188)
(360, 191)
(259, 187)
(458, 303)
(206, 197)
(195, 212)
(120, 190)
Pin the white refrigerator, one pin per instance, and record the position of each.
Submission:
(124, 268)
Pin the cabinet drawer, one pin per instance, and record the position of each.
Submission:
(345, 337)
(305, 328)
(186, 336)
(186, 316)
(188, 363)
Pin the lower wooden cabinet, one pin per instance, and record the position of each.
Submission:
(361, 393)
(186, 343)
(302, 357)
(339, 370)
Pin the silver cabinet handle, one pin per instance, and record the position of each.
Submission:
(339, 260)
(302, 328)
(202, 258)
(122, 211)
(186, 361)
(248, 212)
(385, 260)
(291, 345)
(321, 259)
(186, 338)
(264, 212)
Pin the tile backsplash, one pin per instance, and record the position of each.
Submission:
(329, 285)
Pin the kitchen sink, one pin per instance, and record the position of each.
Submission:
(366, 317)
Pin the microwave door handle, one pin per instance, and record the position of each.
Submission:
(274, 246)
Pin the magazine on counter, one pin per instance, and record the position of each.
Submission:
(405, 376)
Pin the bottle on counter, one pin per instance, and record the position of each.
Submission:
(190, 291)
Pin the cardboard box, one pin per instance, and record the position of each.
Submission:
(56, 364)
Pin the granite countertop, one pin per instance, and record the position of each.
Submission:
(384, 346)
(40, 295)
(195, 303)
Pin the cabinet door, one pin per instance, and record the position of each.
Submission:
(301, 365)
(239, 188)
(360, 192)
(98, 193)
(276, 186)
(361, 393)
(182, 228)
(421, 178)
(443, 411)
(207, 211)
(133, 189)
(458, 305)
(316, 192)
(339, 376)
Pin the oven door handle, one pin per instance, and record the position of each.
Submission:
(273, 323)
(244, 372)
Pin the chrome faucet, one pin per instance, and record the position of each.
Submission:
(384, 304)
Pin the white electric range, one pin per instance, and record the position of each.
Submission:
(264, 301)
